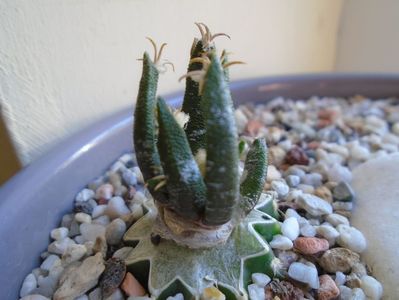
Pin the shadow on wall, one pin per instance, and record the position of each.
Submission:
(9, 163)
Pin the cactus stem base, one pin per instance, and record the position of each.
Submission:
(170, 226)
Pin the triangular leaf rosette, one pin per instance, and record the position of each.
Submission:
(229, 265)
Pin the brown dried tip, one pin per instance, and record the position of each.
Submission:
(206, 36)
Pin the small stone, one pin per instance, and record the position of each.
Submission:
(339, 173)
(359, 269)
(353, 281)
(241, 120)
(137, 211)
(34, 297)
(306, 188)
(293, 180)
(59, 233)
(328, 290)
(100, 246)
(73, 253)
(84, 195)
(351, 238)
(336, 219)
(283, 290)
(85, 207)
(115, 231)
(91, 231)
(290, 228)
(59, 247)
(340, 205)
(80, 279)
(276, 155)
(116, 208)
(360, 153)
(371, 287)
(116, 295)
(74, 230)
(314, 205)
(345, 293)
(310, 245)
(67, 220)
(296, 156)
(343, 192)
(111, 279)
(304, 273)
(50, 262)
(338, 260)
(324, 193)
(273, 173)
(129, 177)
(255, 292)
(260, 279)
(95, 294)
(104, 191)
(357, 294)
(328, 232)
(286, 258)
(308, 230)
(82, 218)
(340, 278)
(280, 187)
(117, 166)
(138, 173)
(313, 179)
(28, 285)
(122, 253)
(281, 242)
(98, 211)
(79, 239)
(102, 220)
(83, 297)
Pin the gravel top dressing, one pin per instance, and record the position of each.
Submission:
(313, 147)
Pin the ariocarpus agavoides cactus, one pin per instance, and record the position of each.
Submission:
(208, 224)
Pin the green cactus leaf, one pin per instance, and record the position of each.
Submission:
(195, 128)
(228, 265)
(221, 176)
(255, 171)
(185, 184)
(144, 130)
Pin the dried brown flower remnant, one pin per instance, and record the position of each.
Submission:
(296, 156)
(284, 290)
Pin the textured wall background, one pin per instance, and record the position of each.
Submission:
(67, 63)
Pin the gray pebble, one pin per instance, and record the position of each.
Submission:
(115, 231)
(343, 192)
(293, 180)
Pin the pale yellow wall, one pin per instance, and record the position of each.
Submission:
(67, 63)
(368, 39)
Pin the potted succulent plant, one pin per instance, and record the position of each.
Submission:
(205, 226)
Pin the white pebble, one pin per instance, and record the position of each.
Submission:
(336, 219)
(104, 191)
(341, 205)
(291, 213)
(340, 278)
(273, 173)
(34, 297)
(280, 187)
(339, 173)
(59, 233)
(290, 228)
(178, 296)
(50, 262)
(293, 195)
(357, 294)
(115, 231)
(129, 177)
(82, 218)
(255, 292)
(99, 210)
(328, 232)
(351, 238)
(117, 166)
(83, 297)
(304, 273)
(116, 208)
(314, 205)
(90, 232)
(101, 220)
(308, 230)
(84, 195)
(139, 198)
(359, 153)
(117, 295)
(138, 173)
(313, 179)
(293, 180)
(260, 279)
(306, 188)
(137, 211)
(281, 242)
(371, 287)
(79, 239)
(28, 285)
(74, 253)
(59, 247)
(345, 293)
